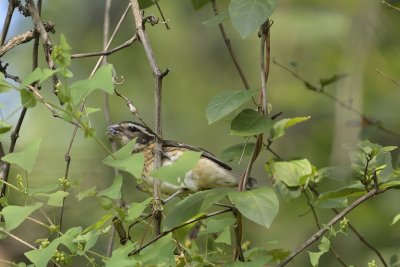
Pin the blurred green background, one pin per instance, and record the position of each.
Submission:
(317, 38)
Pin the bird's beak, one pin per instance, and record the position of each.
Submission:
(113, 130)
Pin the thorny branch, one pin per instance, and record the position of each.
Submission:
(321, 89)
(158, 78)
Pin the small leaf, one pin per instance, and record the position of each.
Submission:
(224, 237)
(55, 199)
(40, 257)
(333, 79)
(250, 122)
(125, 161)
(395, 219)
(216, 225)
(114, 191)
(260, 205)
(136, 209)
(4, 127)
(214, 21)
(248, 15)
(226, 102)
(279, 127)
(314, 257)
(120, 257)
(291, 172)
(175, 173)
(324, 245)
(15, 215)
(4, 86)
(236, 151)
(38, 75)
(28, 100)
(25, 159)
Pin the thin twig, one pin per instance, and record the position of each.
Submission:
(107, 52)
(326, 227)
(390, 5)
(158, 78)
(24, 38)
(12, 4)
(165, 21)
(205, 216)
(229, 47)
(320, 89)
(388, 77)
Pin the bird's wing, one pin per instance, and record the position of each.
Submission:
(205, 153)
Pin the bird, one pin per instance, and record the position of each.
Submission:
(209, 172)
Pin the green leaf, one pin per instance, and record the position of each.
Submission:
(55, 199)
(98, 225)
(120, 257)
(224, 237)
(248, 15)
(40, 257)
(101, 80)
(236, 151)
(324, 245)
(194, 205)
(136, 209)
(226, 102)
(250, 122)
(175, 173)
(214, 21)
(197, 4)
(4, 127)
(314, 257)
(291, 172)
(260, 205)
(25, 159)
(61, 53)
(87, 193)
(216, 225)
(15, 215)
(4, 86)
(354, 190)
(125, 161)
(28, 100)
(67, 239)
(332, 203)
(38, 75)
(114, 191)
(164, 248)
(279, 127)
(395, 219)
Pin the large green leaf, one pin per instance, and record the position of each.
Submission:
(194, 205)
(260, 205)
(279, 127)
(248, 15)
(250, 122)
(114, 191)
(125, 161)
(15, 215)
(26, 158)
(38, 75)
(175, 173)
(164, 250)
(292, 172)
(237, 151)
(226, 102)
(101, 80)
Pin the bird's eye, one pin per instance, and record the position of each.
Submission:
(133, 128)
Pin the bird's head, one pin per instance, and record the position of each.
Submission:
(126, 131)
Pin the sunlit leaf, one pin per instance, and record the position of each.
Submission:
(395, 219)
(249, 15)
(314, 257)
(114, 191)
(175, 173)
(26, 158)
(260, 205)
(226, 102)
(291, 172)
(279, 127)
(15, 215)
(249, 122)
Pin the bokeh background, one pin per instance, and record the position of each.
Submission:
(316, 38)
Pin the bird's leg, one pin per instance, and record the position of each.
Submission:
(179, 191)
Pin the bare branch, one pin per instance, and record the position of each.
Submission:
(12, 4)
(390, 5)
(388, 77)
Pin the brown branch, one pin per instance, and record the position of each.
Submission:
(107, 52)
(315, 237)
(202, 217)
(229, 47)
(390, 5)
(158, 78)
(12, 4)
(321, 89)
(165, 21)
(24, 38)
